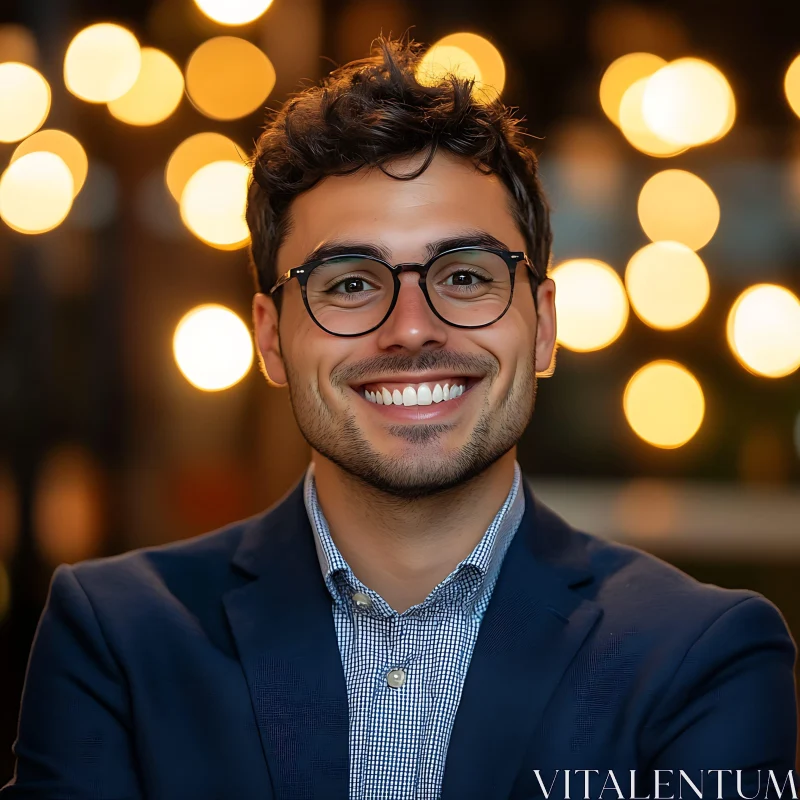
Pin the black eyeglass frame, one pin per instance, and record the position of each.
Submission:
(511, 258)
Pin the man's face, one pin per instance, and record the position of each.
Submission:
(418, 450)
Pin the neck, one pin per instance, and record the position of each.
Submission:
(402, 549)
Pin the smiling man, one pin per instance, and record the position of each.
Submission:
(409, 621)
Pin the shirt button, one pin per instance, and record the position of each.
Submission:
(396, 678)
(362, 600)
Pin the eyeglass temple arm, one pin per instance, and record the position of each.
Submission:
(283, 279)
(538, 278)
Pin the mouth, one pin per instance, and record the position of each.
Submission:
(427, 398)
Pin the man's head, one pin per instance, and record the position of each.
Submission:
(378, 161)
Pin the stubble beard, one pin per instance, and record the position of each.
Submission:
(342, 441)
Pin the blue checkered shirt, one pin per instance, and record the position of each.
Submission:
(399, 734)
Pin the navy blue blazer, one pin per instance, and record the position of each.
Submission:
(209, 668)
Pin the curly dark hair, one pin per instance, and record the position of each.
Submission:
(371, 111)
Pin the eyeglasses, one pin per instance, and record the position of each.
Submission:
(352, 295)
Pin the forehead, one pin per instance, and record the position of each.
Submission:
(403, 215)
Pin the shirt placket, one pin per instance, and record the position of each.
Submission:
(396, 714)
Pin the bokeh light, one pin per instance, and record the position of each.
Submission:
(156, 93)
(667, 284)
(634, 127)
(24, 101)
(688, 102)
(487, 58)
(36, 193)
(620, 75)
(441, 60)
(591, 304)
(213, 204)
(664, 404)
(17, 43)
(791, 85)
(64, 145)
(233, 12)
(195, 152)
(228, 78)
(763, 330)
(102, 63)
(69, 506)
(213, 347)
(677, 205)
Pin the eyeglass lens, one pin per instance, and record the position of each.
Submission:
(352, 294)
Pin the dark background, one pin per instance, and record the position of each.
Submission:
(89, 388)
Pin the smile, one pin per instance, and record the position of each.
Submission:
(408, 399)
(422, 394)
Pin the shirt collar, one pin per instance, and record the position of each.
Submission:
(467, 586)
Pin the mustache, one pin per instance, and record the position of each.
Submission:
(445, 360)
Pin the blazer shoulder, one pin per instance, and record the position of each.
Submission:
(202, 553)
(631, 583)
(151, 585)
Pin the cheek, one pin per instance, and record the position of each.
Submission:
(511, 342)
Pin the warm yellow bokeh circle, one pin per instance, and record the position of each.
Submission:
(667, 284)
(213, 347)
(213, 204)
(102, 63)
(155, 95)
(763, 330)
(491, 69)
(195, 152)
(620, 75)
(64, 145)
(36, 193)
(591, 304)
(664, 404)
(678, 206)
(233, 12)
(24, 101)
(688, 102)
(791, 85)
(214, 79)
(635, 128)
(440, 60)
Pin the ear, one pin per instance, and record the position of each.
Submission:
(265, 325)
(546, 328)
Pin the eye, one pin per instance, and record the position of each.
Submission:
(466, 277)
(351, 285)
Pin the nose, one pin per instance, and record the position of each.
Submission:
(412, 325)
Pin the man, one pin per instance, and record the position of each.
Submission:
(409, 621)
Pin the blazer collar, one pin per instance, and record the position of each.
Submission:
(283, 627)
(284, 531)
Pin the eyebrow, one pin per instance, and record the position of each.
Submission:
(473, 237)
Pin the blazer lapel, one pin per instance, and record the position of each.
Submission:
(532, 629)
(283, 627)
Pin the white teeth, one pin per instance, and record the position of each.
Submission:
(409, 396)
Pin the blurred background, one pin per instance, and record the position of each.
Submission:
(131, 411)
